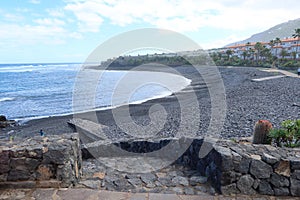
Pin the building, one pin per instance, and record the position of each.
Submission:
(290, 45)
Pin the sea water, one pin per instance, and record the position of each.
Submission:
(30, 91)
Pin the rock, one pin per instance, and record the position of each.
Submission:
(135, 182)
(151, 185)
(99, 175)
(256, 183)
(195, 180)
(148, 178)
(295, 163)
(24, 164)
(167, 182)
(93, 184)
(281, 191)
(200, 188)
(245, 185)
(189, 191)
(265, 188)
(179, 180)
(260, 169)
(230, 177)
(283, 168)
(4, 124)
(226, 156)
(44, 172)
(279, 181)
(229, 189)
(4, 162)
(269, 159)
(295, 185)
(18, 175)
(177, 190)
(244, 165)
(2, 118)
(296, 174)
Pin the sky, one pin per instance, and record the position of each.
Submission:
(49, 31)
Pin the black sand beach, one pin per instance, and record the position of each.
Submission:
(247, 101)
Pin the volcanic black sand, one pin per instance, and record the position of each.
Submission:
(247, 101)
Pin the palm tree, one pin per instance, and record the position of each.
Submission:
(244, 54)
(297, 35)
(272, 44)
(229, 53)
(277, 41)
(283, 53)
(258, 47)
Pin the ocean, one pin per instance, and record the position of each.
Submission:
(29, 91)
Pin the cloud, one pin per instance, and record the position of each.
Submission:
(34, 1)
(56, 13)
(184, 15)
(49, 22)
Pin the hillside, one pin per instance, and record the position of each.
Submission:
(281, 30)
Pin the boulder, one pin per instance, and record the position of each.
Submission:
(260, 169)
(2, 118)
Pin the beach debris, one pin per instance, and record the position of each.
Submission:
(261, 131)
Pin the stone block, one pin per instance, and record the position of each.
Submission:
(283, 168)
(245, 184)
(295, 187)
(279, 180)
(260, 169)
(269, 159)
(281, 191)
(265, 188)
(229, 189)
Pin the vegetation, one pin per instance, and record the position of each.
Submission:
(261, 131)
(288, 135)
(257, 56)
(260, 55)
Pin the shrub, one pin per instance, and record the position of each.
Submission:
(288, 135)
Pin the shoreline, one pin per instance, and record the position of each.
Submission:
(246, 103)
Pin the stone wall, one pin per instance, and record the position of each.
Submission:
(53, 161)
(252, 169)
(231, 168)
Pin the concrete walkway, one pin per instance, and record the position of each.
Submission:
(286, 73)
(89, 194)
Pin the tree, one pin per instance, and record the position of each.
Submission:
(244, 54)
(283, 53)
(266, 53)
(277, 42)
(229, 52)
(297, 35)
(258, 47)
(272, 44)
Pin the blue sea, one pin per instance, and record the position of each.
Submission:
(29, 91)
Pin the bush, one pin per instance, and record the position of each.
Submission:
(288, 135)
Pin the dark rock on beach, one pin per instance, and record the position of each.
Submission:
(6, 123)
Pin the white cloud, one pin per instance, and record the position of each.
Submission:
(34, 1)
(56, 12)
(184, 15)
(49, 22)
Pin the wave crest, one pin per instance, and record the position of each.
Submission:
(6, 99)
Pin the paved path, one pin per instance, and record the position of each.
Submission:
(89, 194)
(287, 73)
(283, 72)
